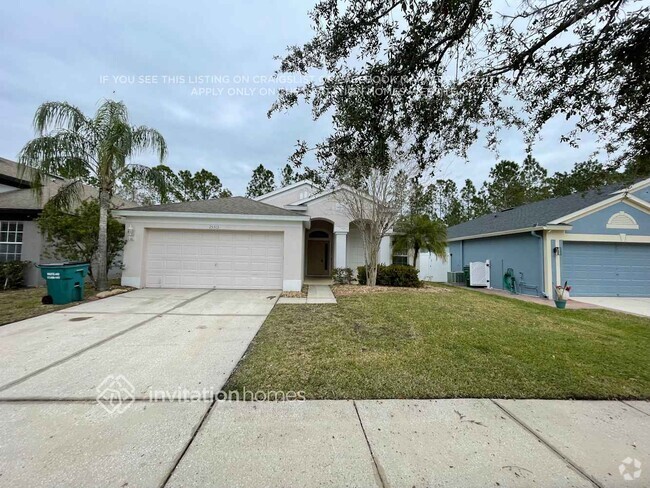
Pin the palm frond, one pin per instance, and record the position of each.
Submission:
(109, 113)
(52, 155)
(52, 115)
(146, 138)
(68, 195)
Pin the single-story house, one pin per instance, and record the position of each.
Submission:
(20, 237)
(598, 241)
(271, 242)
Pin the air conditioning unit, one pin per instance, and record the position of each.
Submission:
(479, 273)
(455, 277)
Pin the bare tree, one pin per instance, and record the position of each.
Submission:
(375, 202)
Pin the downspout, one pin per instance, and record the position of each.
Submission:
(541, 247)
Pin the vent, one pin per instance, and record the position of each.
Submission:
(622, 220)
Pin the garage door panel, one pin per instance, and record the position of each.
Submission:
(606, 269)
(209, 259)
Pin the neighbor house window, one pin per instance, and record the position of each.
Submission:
(11, 241)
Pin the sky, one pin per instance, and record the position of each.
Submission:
(199, 72)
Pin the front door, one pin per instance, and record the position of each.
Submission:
(318, 258)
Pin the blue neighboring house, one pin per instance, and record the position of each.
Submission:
(598, 241)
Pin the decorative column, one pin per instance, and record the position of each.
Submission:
(341, 245)
(385, 251)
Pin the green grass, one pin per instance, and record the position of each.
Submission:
(455, 343)
(25, 303)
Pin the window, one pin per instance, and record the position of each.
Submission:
(400, 257)
(11, 241)
(318, 234)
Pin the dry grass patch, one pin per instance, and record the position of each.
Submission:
(353, 290)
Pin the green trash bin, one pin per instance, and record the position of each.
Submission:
(65, 281)
(466, 271)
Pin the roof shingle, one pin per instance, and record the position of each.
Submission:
(230, 205)
(533, 214)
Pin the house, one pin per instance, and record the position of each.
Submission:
(20, 207)
(270, 242)
(598, 241)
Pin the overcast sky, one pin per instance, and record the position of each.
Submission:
(152, 56)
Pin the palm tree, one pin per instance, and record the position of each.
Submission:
(95, 151)
(419, 232)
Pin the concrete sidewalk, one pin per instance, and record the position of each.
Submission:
(375, 443)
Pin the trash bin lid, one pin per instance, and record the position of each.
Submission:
(58, 265)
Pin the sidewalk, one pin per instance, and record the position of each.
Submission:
(318, 293)
(461, 443)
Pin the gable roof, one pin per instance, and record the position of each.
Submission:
(537, 214)
(284, 189)
(223, 206)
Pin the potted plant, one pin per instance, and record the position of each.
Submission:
(562, 295)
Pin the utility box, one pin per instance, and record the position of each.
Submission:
(65, 281)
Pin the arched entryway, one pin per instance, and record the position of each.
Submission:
(319, 248)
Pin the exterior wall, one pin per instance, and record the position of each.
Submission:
(330, 209)
(456, 255)
(134, 251)
(290, 196)
(355, 252)
(32, 251)
(521, 252)
(596, 223)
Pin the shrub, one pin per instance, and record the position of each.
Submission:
(342, 276)
(400, 275)
(393, 275)
(12, 274)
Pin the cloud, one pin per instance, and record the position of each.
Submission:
(81, 53)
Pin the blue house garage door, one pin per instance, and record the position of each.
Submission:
(595, 269)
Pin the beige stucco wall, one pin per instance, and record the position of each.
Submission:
(134, 252)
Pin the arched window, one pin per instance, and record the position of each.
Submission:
(622, 220)
(318, 234)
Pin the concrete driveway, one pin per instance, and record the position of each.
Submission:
(634, 305)
(160, 345)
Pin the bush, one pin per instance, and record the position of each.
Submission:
(342, 276)
(12, 274)
(393, 275)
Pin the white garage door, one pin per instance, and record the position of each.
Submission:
(213, 259)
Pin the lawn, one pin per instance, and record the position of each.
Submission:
(25, 303)
(447, 342)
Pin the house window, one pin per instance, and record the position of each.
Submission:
(11, 241)
(400, 259)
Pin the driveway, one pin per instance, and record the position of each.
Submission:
(634, 305)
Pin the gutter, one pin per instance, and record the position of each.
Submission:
(203, 215)
(514, 231)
